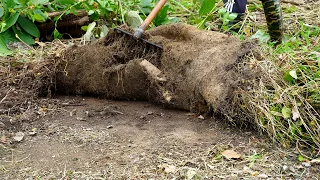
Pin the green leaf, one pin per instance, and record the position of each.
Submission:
(9, 36)
(232, 16)
(262, 36)
(1, 12)
(21, 2)
(38, 15)
(286, 112)
(162, 16)
(145, 3)
(287, 77)
(37, 2)
(10, 21)
(207, 6)
(222, 11)
(28, 26)
(10, 4)
(84, 28)
(66, 2)
(56, 34)
(293, 73)
(317, 75)
(24, 36)
(133, 19)
(300, 158)
(94, 16)
(4, 51)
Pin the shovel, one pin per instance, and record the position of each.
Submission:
(139, 32)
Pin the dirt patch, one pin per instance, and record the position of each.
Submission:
(88, 138)
(194, 71)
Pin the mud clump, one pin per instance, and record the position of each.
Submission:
(195, 70)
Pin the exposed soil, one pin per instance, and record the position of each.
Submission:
(89, 138)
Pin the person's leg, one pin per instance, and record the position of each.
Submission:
(273, 15)
(235, 6)
(238, 7)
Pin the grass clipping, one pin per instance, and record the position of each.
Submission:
(284, 100)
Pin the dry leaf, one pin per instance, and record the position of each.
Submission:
(295, 113)
(3, 139)
(170, 169)
(231, 154)
(315, 161)
(262, 176)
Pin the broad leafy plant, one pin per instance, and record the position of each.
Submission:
(18, 18)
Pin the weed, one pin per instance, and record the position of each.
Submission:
(253, 158)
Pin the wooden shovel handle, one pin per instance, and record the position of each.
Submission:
(153, 14)
(150, 18)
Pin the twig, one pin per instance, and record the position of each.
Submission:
(121, 11)
(291, 2)
(297, 147)
(23, 42)
(68, 104)
(57, 13)
(5, 97)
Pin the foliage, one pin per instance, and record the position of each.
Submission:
(285, 102)
(19, 17)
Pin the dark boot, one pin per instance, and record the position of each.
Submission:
(273, 15)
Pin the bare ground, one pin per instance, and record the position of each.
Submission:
(90, 138)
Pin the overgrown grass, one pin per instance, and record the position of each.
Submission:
(285, 100)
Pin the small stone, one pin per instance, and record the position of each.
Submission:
(88, 114)
(201, 117)
(306, 164)
(32, 133)
(149, 113)
(292, 169)
(263, 176)
(18, 136)
(169, 169)
(2, 125)
(81, 119)
(73, 112)
(190, 114)
(285, 168)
